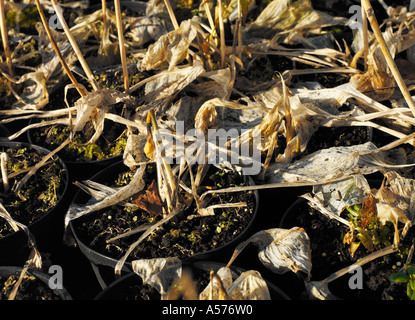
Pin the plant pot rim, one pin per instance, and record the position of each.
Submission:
(286, 214)
(40, 275)
(101, 259)
(44, 151)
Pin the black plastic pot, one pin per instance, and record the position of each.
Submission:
(4, 133)
(48, 229)
(97, 258)
(121, 288)
(6, 271)
(335, 255)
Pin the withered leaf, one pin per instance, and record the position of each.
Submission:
(149, 200)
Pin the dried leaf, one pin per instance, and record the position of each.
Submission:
(398, 192)
(160, 273)
(396, 201)
(134, 153)
(94, 106)
(170, 48)
(149, 200)
(206, 116)
(137, 184)
(145, 29)
(332, 164)
(212, 290)
(290, 16)
(249, 286)
(281, 250)
(336, 196)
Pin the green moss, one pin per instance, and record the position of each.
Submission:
(27, 18)
(104, 148)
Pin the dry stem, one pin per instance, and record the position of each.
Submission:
(222, 34)
(40, 164)
(391, 63)
(81, 89)
(3, 165)
(78, 52)
(210, 19)
(4, 38)
(104, 12)
(121, 43)
(365, 37)
(171, 14)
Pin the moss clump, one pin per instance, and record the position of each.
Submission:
(25, 19)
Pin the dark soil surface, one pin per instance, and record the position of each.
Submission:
(31, 288)
(327, 137)
(179, 237)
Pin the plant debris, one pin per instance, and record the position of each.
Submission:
(268, 77)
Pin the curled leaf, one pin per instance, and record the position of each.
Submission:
(213, 289)
(281, 250)
(158, 272)
(170, 48)
(134, 153)
(249, 286)
(396, 202)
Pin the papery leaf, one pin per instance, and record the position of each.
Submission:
(158, 272)
(170, 48)
(145, 29)
(249, 286)
(338, 195)
(285, 15)
(281, 250)
(134, 153)
(212, 291)
(399, 192)
(137, 184)
(290, 250)
(336, 163)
